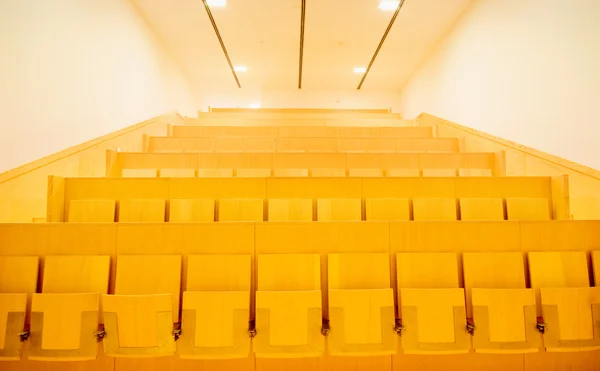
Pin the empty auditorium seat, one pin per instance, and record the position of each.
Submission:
(361, 305)
(290, 210)
(253, 173)
(240, 210)
(177, 173)
(328, 173)
(365, 173)
(290, 173)
(439, 172)
(394, 173)
(288, 306)
(89, 211)
(338, 209)
(528, 209)
(142, 210)
(191, 210)
(215, 173)
(397, 209)
(139, 173)
(434, 209)
(481, 209)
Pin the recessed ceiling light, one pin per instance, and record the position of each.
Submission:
(216, 3)
(240, 68)
(389, 4)
(360, 70)
(254, 105)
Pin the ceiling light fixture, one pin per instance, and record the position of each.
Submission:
(216, 3)
(360, 69)
(389, 4)
(240, 68)
(254, 105)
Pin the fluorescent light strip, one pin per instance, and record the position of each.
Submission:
(240, 69)
(389, 4)
(360, 69)
(216, 3)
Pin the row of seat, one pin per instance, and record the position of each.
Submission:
(263, 131)
(304, 210)
(300, 173)
(492, 310)
(295, 145)
(490, 162)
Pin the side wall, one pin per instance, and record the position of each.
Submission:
(526, 71)
(75, 70)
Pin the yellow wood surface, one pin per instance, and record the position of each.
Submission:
(142, 210)
(439, 172)
(91, 211)
(596, 267)
(290, 210)
(11, 303)
(191, 210)
(18, 274)
(177, 173)
(75, 274)
(365, 173)
(253, 173)
(139, 173)
(434, 209)
(290, 173)
(399, 172)
(219, 273)
(481, 209)
(150, 274)
(358, 271)
(555, 269)
(527, 209)
(328, 173)
(387, 209)
(427, 270)
(338, 209)
(241, 210)
(215, 173)
(289, 272)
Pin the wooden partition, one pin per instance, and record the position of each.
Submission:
(324, 239)
(491, 163)
(120, 189)
(584, 182)
(23, 190)
(299, 144)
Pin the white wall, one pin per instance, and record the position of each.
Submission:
(524, 70)
(73, 70)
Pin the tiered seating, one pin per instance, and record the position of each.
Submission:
(312, 240)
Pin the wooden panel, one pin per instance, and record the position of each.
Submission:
(13, 308)
(481, 209)
(215, 173)
(558, 269)
(427, 145)
(218, 188)
(219, 273)
(387, 209)
(427, 270)
(359, 271)
(399, 173)
(528, 209)
(148, 210)
(438, 209)
(177, 173)
(503, 187)
(365, 173)
(596, 267)
(191, 210)
(367, 145)
(289, 272)
(338, 209)
(475, 172)
(408, 188)
(240, 210)
(291, 210)
(150, 274)
(76, 274)
(253, 173)
(94, 211)
(139, 173)
(328, 173)
(309, 160)
(314, 188)
(18, 274)
(290, 173)
(116, 188)
(439, 172)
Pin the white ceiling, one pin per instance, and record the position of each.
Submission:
(264, 35)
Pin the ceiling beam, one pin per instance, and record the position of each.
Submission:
(214, 24)
(387, 31)
(302, 23)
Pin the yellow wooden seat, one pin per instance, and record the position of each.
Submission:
(291, 210)
(436, 209)
(399, 173)
(191, 210)
(142, 210)
(397, 209)
(90, 211)
(339, 209)
(361, 305)
(290, 173)
(328, 173)
(177, 173)
(216, 308)
(475, 172)
(502, 308)
(481, 209)
(432, 305)
(365, 173)
(215, 173)
(439, 172)
(569, 306)
(528, 209)
(139, 318)
(139, 173)
(18, 280)
(65, 316)
(288, 306)
(240, 210)
(253, 173)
